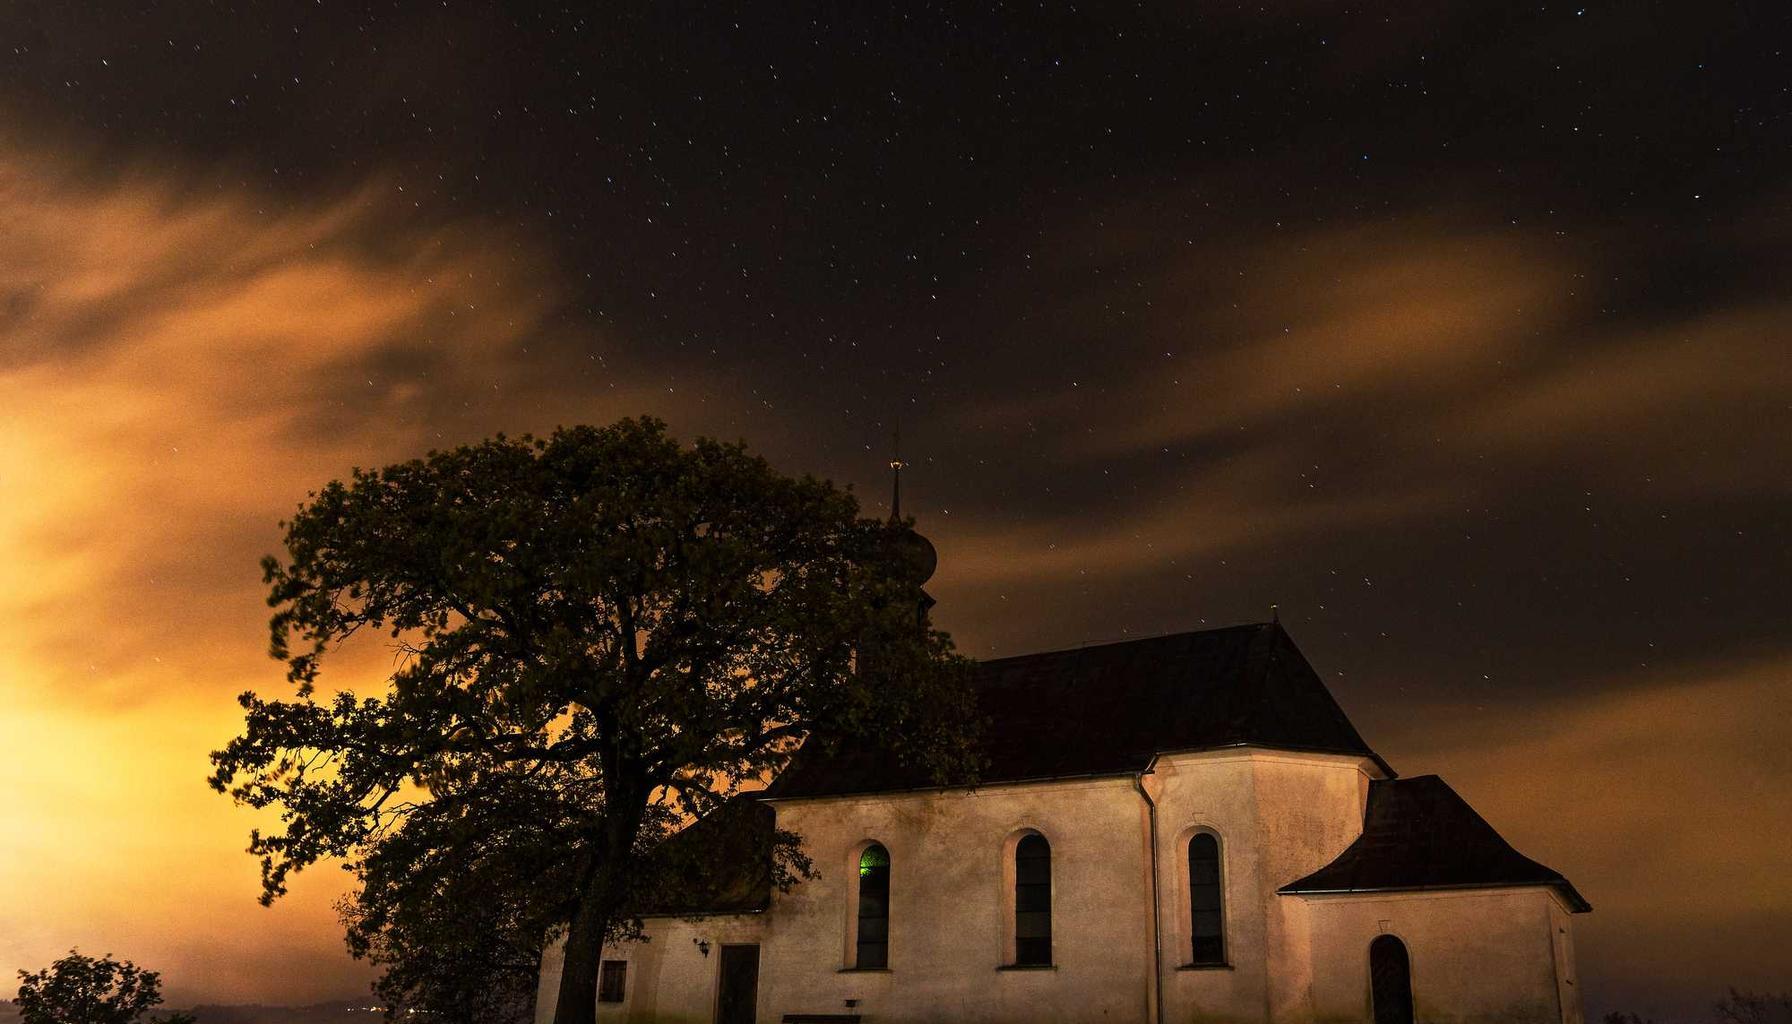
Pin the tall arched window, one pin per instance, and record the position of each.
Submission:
(1390, 980)
(1032, 901)
(1207, 917)
(874, 908)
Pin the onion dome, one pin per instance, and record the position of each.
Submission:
(912, 555)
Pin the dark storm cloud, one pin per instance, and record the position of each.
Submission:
(1458, 331)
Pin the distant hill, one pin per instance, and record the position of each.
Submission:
(340, 1012)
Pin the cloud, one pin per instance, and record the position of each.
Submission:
(1663, 402)
(1409, 347)
(1346, 317)
(1224, 419)
(1495, 425)
(1661, 800)
(1222, 507)
(178, 367)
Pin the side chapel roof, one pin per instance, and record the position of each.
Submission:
(1419, 834)
(720, 864)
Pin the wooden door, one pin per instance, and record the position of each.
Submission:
(739, 994)
(1390, 981)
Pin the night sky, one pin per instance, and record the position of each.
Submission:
(1459, 333)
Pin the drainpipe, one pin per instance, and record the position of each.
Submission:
(1156, 992)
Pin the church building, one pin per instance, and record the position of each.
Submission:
(1179, 829)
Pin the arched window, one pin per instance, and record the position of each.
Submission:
(1032, 901)
(874, 908)
(1207, 917)
(1390, 980)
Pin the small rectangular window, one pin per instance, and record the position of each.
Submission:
(611, 981)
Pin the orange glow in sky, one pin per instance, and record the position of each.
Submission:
(181, 359)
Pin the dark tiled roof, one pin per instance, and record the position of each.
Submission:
(1418, 834)
(1108, 709)
(721, 864)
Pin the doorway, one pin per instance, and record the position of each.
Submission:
(1390, 981)
(738, 998)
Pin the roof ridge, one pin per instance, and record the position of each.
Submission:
(1104, 644)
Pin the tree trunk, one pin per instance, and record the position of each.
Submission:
(599, 903)
(576, 1001)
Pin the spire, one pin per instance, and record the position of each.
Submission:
(913, 552)
(896, 465)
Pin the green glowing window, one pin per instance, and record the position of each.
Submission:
(872, 859)
(874, 909)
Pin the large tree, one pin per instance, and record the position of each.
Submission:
(623, 627)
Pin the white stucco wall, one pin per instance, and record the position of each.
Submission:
(1278, 816)
(1485, 955)
(949, 903)
(1561, 919)
(669, 978)
(547, 986)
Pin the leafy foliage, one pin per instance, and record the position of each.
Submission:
(1738, 1006)
(87, 990)
(600, 634)
(1742, 1007)
(454, 905)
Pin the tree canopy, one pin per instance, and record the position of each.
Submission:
(91, 990)
(600, 635)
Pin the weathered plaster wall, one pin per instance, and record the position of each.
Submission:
(553, 959)
(1561, 919)
(1486, 956)
(1278, 816)
(1491, 957)
(670, 980)
(949, 898)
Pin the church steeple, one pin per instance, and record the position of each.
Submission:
(913, 555)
